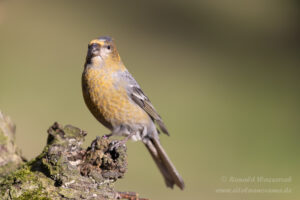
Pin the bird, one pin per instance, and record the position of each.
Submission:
(117, 101)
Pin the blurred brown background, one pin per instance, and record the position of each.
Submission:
(223, 74)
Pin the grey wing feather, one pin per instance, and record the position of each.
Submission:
(138, 96)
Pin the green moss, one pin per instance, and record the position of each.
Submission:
(67, 193)
(71, 131)
(53, 169)
(28, 180)
(22, 175)
(36, 194)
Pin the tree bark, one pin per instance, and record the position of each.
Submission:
(64, 170)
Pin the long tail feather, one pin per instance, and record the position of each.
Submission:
(164, 163)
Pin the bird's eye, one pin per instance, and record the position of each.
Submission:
(108, 47)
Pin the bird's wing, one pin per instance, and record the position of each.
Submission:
(138, 96)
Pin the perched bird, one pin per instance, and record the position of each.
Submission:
(118, 102)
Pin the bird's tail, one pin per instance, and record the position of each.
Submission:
(163, 162)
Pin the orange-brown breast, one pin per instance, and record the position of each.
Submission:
(108, 103)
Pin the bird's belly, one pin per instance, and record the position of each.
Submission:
(111, 105)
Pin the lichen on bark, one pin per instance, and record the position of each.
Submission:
(64, 170)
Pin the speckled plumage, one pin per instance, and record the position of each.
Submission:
(110, 104)
(117, 101)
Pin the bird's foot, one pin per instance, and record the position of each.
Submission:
(121, 142)
(116, 144)
(106, 136)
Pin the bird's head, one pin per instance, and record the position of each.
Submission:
(102, 50)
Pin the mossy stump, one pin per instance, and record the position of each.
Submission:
(64, 170)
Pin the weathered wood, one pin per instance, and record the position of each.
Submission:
(64, 170)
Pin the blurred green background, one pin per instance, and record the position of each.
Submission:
(223, 74)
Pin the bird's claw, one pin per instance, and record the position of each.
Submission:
(116, 144)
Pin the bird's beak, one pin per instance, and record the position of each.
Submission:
(94, 47)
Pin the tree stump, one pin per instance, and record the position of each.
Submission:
(64, 170)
